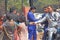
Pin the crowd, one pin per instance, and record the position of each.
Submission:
(14, 26)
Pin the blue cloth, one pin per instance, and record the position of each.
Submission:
(45, 22)
(31, 28)
(58, 30)
(31, 17)
(45, 27)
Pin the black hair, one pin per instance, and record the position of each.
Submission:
(51, 6)
(12, 9)
(21, 18)
(8, 17)
(31, 8)
(45, 7)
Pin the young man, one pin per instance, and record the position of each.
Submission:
(45, 23)
(32, 27)
(52, 18)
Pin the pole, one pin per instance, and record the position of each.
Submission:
(5, 6)
(31, 3)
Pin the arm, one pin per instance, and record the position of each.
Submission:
(42, 20)
(57, 16)
(31, 17)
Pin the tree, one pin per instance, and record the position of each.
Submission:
(17, 3)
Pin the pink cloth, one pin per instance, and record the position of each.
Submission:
(16, 35)
(23, 35)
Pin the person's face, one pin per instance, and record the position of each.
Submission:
(46, 10)
(50, 9)
(14, 11)
(33, 10)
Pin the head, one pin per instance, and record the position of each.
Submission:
(18, 14)
(13, 10)
(22, 18)
(46, 9)
(9, 18)
(50, 8)
(33, 9)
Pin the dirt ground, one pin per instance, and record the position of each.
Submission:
(39, 35)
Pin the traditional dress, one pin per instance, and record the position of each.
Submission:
(8, 30)
(1, 31)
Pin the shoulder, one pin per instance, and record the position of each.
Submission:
(30, 12)
(56, 13)
(4, 24)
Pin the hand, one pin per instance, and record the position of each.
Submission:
(31, 23)
(38, 24)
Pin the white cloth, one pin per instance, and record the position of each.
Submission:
(52, 20)
(24, 32)
(51, 31)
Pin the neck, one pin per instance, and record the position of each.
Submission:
(51, 12)
(32, 11)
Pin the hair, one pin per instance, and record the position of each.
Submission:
(51, 6)
(8, 17)
(31, 8)
(22, 18)
(45, 7)
(12, 9)
(48, 6)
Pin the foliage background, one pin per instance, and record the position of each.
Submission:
(39, 4)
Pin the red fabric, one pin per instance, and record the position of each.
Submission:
(16, 36)
(1, 22)
(21, 32)
(26, 10)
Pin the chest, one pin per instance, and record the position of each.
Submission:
(52, 17)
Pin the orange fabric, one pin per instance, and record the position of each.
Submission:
(16, 36)
(26, 10)
(1, 22)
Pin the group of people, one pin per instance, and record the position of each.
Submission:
(50, 19)
(14, 26)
